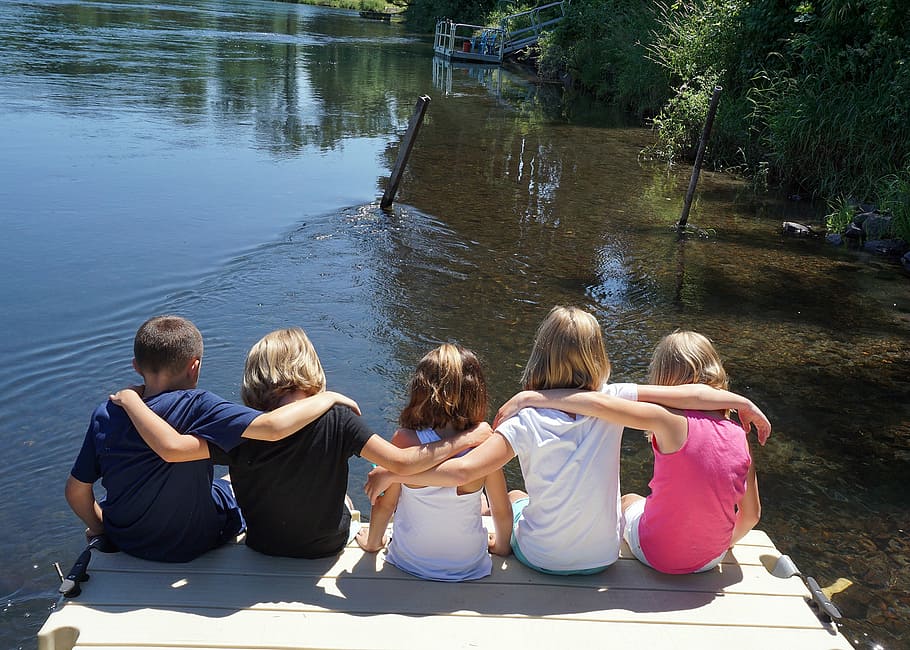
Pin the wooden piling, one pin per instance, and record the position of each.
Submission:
(699, 156)
(404, 151)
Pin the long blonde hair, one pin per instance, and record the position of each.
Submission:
(281, 362)
(448, 387)
(685, 357)
(568, 352)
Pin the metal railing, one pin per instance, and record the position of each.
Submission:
(483, 43)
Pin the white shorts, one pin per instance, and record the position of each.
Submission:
(632, 516)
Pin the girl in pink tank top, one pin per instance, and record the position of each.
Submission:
(704, 493)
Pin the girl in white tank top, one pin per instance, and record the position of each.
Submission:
(438, 532)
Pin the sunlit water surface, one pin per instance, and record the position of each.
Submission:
(222, 160)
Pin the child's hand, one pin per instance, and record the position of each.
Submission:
(479, 433)
(378, 481)
(510, 408)
(344, 400)
(751, 415)
(498, 549)
(92, 533)
(363, 541)
(125, 394)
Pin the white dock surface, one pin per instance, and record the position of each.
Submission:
(236, 598)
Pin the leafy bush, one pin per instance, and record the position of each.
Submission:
(841, 215)
(422, 15)
(893, 195)
(602, 45)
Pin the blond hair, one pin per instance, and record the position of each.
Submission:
(685, 357)
(568, 352)
(281, 362)
(166, 343)
(448, 387)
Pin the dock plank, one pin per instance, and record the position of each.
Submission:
(236, 598)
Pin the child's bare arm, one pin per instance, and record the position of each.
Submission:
(498, 497)
(749, 508)
(384, 507)
(81, 499)
(491, 455)
(380, 514)
(174, 447)
(290, 418)
(705, 398)
(418, 458)
(596, 404)
(160, 436)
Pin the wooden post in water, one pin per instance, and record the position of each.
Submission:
(696, 170)
(404, 152)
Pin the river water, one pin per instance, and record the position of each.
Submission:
(222, 160)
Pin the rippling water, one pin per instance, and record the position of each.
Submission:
(221, 159)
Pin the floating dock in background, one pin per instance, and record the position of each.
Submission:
(485, 44)
(236, 598)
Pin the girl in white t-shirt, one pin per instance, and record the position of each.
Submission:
(439, 533)
(569, 521)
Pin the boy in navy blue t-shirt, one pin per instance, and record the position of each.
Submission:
(172, 512)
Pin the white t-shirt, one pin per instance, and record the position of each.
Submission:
(570, 466)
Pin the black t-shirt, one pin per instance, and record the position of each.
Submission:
(291, 492)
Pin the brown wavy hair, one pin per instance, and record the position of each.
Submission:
(448, 387)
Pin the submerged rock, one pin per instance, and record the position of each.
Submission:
(877, 226)
(798, 229)
(889, 247)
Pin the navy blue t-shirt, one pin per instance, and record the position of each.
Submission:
(154, 509)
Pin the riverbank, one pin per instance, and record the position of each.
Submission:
(815, 95)
(375, 6)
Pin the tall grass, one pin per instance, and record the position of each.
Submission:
(602, 46)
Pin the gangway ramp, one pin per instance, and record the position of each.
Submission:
(490, 44)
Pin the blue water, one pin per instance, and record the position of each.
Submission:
(222, 159)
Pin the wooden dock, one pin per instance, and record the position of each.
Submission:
(486, 44)
(236, 598)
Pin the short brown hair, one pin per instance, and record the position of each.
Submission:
(568, 352)
(685, 357)
(166, 343)
(281, 362)
(448, 387)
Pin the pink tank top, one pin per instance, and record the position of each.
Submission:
(689, 516)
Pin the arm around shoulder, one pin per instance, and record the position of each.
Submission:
(705, 398)
(413, 458)
(290, 418)
(164, 440)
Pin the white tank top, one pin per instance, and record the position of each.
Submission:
(438, 534)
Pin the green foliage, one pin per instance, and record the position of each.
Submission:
(816, 94)
(602, 45)
(422, 15)
(842, 213)
(893, 196)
